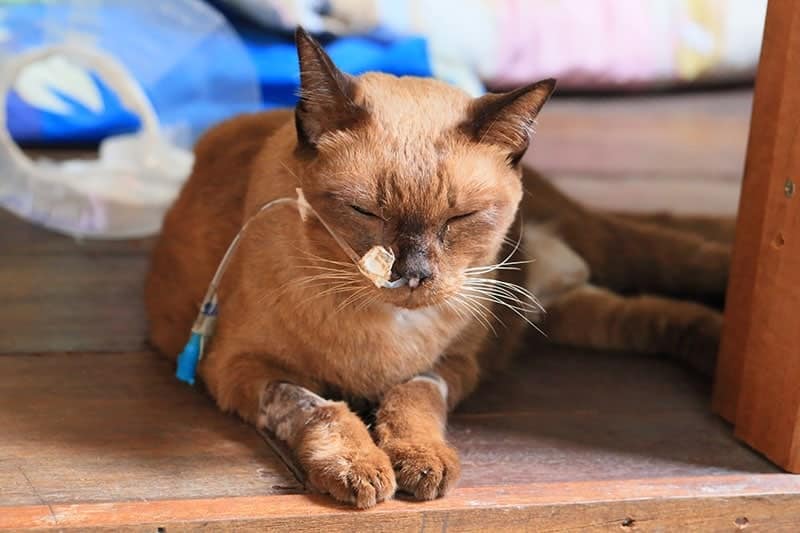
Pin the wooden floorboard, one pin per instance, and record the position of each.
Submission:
(64, 295)
(100, 427)
(681, 153)
(701, 135)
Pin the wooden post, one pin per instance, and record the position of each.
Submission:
(758, 376)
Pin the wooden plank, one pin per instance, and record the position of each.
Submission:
(61, 295)
(100, 427)
(19, 237)
(696, 504)
(105, 428)
(760, 360)
(700, 136)
(751, 214)
(72, 302)
(545, 380)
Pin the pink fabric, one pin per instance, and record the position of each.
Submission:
(602, 42)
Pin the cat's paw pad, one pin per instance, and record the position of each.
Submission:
(340, 459)
(426, 470)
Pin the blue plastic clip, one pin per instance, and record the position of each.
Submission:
(193, 351)
(188, 359)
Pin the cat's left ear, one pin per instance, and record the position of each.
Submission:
(507, 119)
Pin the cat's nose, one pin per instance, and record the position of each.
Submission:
(416, 269)
(416, 278)
(413, 283)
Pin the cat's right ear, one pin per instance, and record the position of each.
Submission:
(507, 119)
(326, 94)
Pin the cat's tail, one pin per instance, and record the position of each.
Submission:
(713, 228)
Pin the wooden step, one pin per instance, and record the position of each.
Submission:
(114, 440)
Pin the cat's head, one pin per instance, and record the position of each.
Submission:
(414, 165)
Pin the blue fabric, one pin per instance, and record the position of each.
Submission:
(276, 62)
(28, 124)
(176, 94)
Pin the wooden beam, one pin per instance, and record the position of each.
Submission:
(757, 377)
(715, 503)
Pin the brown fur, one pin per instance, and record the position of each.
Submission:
(413, 156)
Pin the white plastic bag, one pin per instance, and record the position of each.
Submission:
(127, 189)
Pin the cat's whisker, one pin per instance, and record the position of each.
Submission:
(312, 299)
(326, 269)
(306, 282)
(518, 262)
(513, 287)
(309, 253)
(330, 276)
(502, 292)
(480, 295)
(346, 289)
(515, 310)
(363, 301)
(322, 259)
(514, 303)
(499, 289)
(477, 311)
(488, 270)
(458, 309)
(339, 287)
(508, 265)
(478, 300)
(506, 260)
(319, 280)
(471, 312)
(502, 263)
(454, 308)
(368, 302)
(350, 299)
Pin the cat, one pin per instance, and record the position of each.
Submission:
(436, 175)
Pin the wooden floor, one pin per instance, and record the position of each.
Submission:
(95, 433)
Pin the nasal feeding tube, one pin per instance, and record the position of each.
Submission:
(375, 265)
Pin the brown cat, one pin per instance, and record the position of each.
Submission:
(423, 169)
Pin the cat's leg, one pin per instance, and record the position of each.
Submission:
(633, 257)
(329, 442)
(410, 427)
(597, 318)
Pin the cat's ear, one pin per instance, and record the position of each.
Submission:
(326, 94)
(507, 119)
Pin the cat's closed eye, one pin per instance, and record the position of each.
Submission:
(363, 211)
(462, 216)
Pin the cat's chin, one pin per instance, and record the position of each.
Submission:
(413, 300)
(412, 306)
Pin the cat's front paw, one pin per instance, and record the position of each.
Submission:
(340, 458)
(426, 470)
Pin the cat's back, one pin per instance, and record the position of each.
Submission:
(201, 224)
